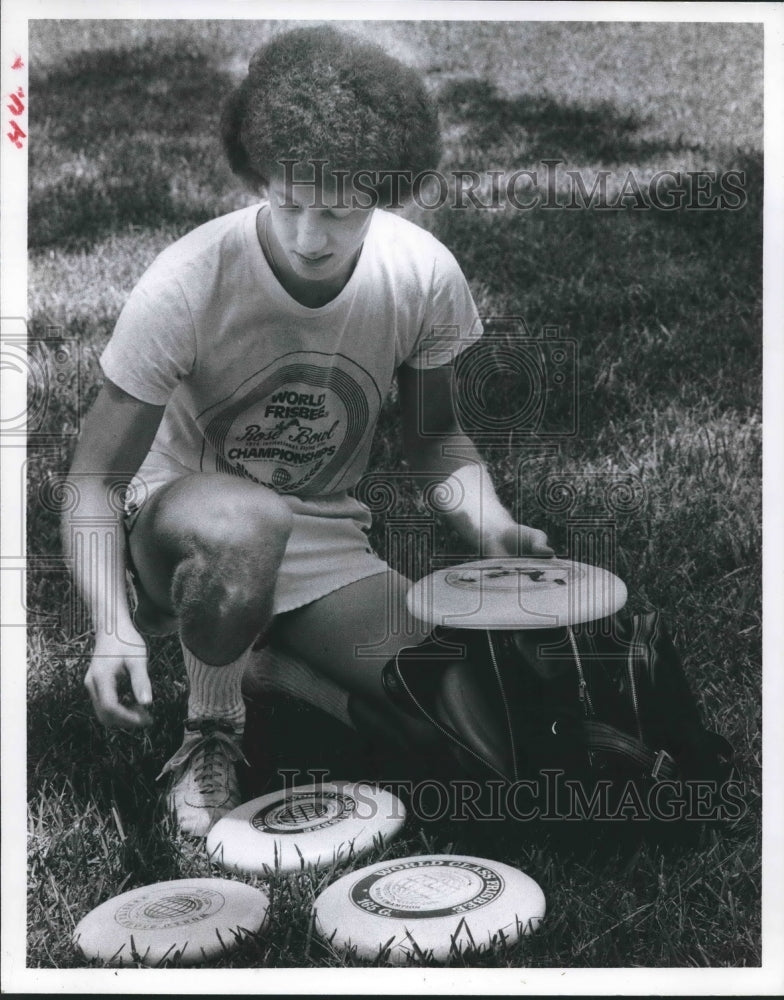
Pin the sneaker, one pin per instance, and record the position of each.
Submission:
(204, 783)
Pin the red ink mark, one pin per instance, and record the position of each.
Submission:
(16, 107)
(16, 134)
(17, 63)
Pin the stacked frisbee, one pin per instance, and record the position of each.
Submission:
(307, 825)
(428, 906)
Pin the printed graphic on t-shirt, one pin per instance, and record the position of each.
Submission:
(294, 426)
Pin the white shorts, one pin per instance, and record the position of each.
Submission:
(328, 548)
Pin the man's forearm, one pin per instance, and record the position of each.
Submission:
(94, 544)
(468, 500)
(460, 488)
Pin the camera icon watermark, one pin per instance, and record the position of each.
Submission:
(515, 385)
(593, 505)
(41, 384)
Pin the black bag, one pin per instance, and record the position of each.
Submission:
(602, 705)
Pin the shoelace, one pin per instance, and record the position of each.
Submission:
(209, 731)
(210, 769)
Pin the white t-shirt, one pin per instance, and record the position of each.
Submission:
(259, 386)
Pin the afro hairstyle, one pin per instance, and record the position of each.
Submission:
(322, 94)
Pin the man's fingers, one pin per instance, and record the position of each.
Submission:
(102, 689)
(135, 717)
(140, 681)
(539, 546)
(122, 717)
(526, 541)
(534, 542)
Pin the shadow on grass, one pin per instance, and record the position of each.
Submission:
(146, 122)
(672, 297)
(549, 128)
(163, 89)
(76, 212)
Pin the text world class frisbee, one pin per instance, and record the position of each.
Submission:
(437, 903)
(510, 592)
(305, 825)
(190, 920)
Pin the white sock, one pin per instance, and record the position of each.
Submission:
(270, 670)
(216, 692)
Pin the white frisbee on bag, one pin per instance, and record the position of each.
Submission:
(524, 592)
(305, 825)
(428, 905)
(190, 920)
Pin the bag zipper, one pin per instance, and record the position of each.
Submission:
(505, 701)
(583, 692)
(585, 696)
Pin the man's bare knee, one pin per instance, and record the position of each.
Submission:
(223, 597)
(254, 518)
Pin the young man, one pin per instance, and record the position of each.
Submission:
(243, 383)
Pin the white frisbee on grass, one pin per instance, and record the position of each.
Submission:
(512, 593)
(430, 905)
(191, 920)
(306, 825)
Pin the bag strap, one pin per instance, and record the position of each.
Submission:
(602, 736)
(597, 736)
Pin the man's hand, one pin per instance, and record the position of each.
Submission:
(516, 540)
(115, 666)
(472, 506)
(466, 497)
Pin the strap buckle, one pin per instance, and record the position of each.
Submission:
(662, 757)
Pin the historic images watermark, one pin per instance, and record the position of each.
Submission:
(547, 186)
(551, 796)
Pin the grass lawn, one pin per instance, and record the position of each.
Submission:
(663, 309)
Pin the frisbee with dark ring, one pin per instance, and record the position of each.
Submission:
(188, 921)
(306, 825)
(428, 906)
